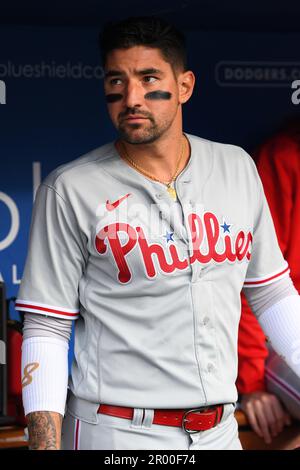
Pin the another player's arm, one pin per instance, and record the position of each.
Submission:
(44, 429)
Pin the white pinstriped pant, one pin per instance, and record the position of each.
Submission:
(87, 430)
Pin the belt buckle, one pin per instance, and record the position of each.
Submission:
(190, 431)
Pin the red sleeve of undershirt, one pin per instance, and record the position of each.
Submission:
(252, 352)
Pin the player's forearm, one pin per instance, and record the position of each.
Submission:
(44, 429)
(281, 324)
(44, 389)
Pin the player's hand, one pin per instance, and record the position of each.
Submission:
(266, 415)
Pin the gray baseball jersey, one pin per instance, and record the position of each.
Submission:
(153, 284)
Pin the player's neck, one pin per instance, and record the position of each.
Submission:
(160, 157)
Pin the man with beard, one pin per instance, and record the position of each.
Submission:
(147, 242)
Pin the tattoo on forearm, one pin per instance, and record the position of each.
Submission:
(44, 430)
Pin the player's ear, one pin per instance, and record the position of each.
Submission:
(186, 83)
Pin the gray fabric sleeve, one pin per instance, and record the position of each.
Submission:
(56, 259)
(266, 257)
(263, 297)
(36, 324)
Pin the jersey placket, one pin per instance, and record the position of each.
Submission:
(205, 347)
(187, 204)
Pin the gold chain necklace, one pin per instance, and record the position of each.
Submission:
(170, 189)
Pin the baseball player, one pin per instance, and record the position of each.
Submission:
(146, 243)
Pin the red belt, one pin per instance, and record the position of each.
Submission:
(194, 420)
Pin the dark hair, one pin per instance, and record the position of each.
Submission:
(148, 31)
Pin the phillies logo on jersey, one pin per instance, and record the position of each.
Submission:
(209, 244)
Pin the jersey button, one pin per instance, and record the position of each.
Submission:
(210, 367)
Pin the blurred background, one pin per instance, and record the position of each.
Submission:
(245, 55)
